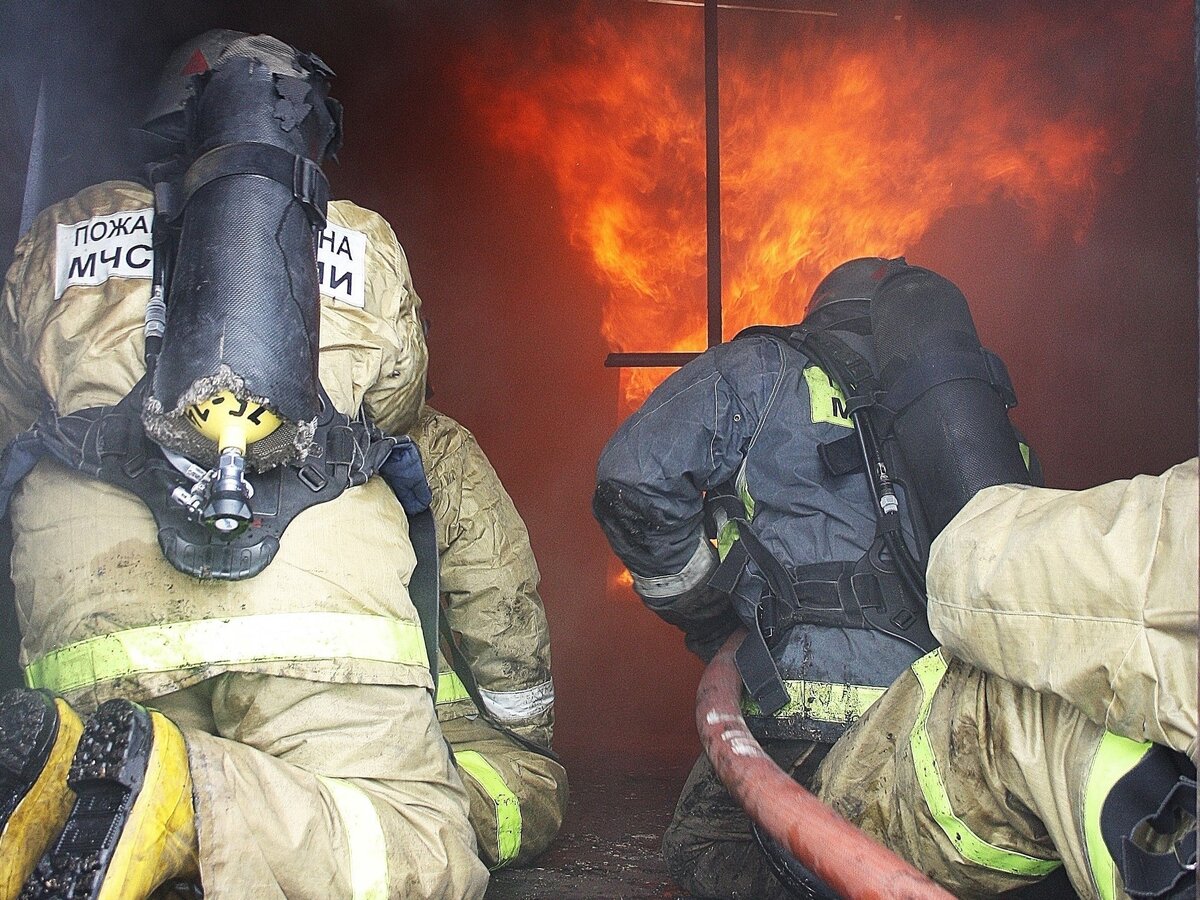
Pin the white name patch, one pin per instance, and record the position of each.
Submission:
(342, 264)
(119, 246)
(114, 246)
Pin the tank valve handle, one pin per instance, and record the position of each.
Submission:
(232, 424)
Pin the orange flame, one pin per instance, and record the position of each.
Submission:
(837, 141)
(619, 579)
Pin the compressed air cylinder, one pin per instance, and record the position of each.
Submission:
(243, 306)
(951, 423)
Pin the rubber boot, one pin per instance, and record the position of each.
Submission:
(38, 736)
(133, 826)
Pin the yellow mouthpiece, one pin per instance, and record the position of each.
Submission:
(232, 423)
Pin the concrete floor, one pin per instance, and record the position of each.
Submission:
(609, 846)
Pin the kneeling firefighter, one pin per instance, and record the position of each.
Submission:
(212, 585)
(495, 698)
(791, 480)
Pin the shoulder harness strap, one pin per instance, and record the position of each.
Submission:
(886, 594)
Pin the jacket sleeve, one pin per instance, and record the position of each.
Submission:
(1089, 595)
(21, 394)
(394, 401)
(385, 337)
(690, 436)
(489, 579)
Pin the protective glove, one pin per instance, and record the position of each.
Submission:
(707, 641)
(706, 616)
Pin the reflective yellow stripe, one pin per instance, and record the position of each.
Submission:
(743, 489)
(1024, 452)
(364, 836)
(725, 540)
(825, 398)
(1115, 756)
(929, 670)
(279, 637)
(450, 688)
(508, 808)
(729, 533)
(821, 700)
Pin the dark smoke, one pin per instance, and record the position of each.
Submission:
(1100, 336)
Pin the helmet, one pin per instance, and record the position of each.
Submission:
(209, 50)
(853, 280)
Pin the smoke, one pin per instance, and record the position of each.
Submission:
(86, 61)
(1065, 204)
(1099, 332)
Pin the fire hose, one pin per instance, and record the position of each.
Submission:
(847, 860)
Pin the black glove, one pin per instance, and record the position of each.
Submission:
(707, 642)
(706, 616)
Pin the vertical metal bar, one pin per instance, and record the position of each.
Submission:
(712, 169)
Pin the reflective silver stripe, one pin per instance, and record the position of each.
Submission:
(512, 707)
(696, 572)
(364, 837)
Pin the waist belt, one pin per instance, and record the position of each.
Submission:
(108, 443)
(866, 593)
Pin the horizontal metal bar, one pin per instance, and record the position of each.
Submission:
(779, 9)
(648, 360)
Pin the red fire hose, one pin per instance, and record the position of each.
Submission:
(852, 864)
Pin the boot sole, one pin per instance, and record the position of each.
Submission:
(38, 734)
(106, 774)
(28, 728)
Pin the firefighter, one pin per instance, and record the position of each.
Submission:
(740, 492)
(501, 651)
(237, 683)
(1056, 726)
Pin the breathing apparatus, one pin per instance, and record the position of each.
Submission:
(221, 495)
(229, 435)
(232, 328)
(930, 411)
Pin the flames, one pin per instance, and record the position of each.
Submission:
(837, 140)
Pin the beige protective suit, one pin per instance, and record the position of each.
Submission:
(1069, 624)
(1092, 598)
(489, 584)
(303, 693)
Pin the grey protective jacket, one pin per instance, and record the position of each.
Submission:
(748, 415)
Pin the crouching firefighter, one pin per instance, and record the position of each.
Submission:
(791, 480)
(230, 681)
(1053, 735)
